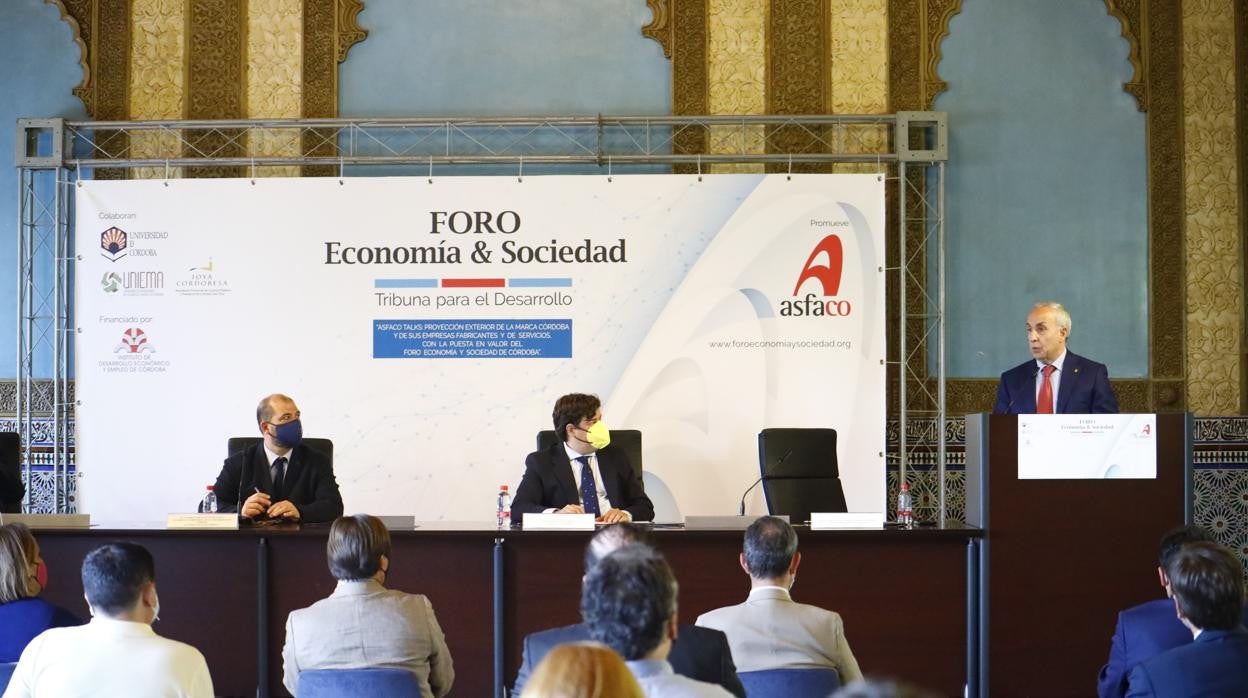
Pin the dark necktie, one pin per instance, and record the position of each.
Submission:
(589, 489)
(1044, 402)
(279, 477)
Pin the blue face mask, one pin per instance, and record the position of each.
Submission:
(289, 434)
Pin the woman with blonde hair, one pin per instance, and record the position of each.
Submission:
(582, 670)
(23, 615)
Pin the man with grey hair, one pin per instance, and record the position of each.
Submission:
(698, 653)
(1054, 381)
(628, 602)
(770, 630)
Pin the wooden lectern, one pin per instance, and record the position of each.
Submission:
(1061, 558)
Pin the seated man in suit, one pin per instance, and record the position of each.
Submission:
(629, 603)
(117, 653)
(279, 477)
(1147, 630)
(1207, 582)
(603, 483)
(363, 624)
(770, 630)
(1054, 381)
(699, 653)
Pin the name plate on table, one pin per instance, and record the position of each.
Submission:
(224, 522)
(44, 521)
(725, 523)
(837, 521)
(1087, 446)
(557, 522)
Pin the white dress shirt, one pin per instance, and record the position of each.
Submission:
(1055, 379)
(659, 680)
(109, 657)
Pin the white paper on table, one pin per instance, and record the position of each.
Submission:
(1087, 446)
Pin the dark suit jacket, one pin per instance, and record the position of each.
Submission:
(699, 653)
(1143, 632)
(1084, 389)
(1215, 664)
(548, 482)
(309, 482)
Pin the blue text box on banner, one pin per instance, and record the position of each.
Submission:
(472, 339)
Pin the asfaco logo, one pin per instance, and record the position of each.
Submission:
(828, 277)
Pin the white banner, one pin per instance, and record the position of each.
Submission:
(427, 328)
(1087, 446)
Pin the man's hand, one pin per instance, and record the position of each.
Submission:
(615, 516)
(284, 510)
(572, 509)
(255, 505)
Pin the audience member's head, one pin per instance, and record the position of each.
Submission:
(1207, 582)
(358, 548)
(119, 581)
(611, 538)
(19, 557)
(883, 688)
(1171, 542)
(582, 670)
(628, 601)
(770, 554)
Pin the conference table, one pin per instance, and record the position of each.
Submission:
(903, 594)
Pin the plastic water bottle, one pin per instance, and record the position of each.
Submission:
(905, 507)
(209, 505)
(504, 506)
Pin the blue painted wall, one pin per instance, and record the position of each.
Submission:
(40, 69)
(491, 58)
(1047, 174)
(1046, 187)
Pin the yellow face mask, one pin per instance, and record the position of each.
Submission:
(599, 436)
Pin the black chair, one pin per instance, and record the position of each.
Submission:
(799, 472)
(238, 443)
(12, 491)
(627, 440)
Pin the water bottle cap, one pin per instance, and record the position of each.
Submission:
(905, 486)
(210, 487)
(503, 487)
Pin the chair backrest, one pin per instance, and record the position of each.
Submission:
(783, 683)
(6, 673)
(11, 471)
(238, 443)
(627, 440)
(800, 472)
(358, 683)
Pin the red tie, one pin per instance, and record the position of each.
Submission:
(1044, 402)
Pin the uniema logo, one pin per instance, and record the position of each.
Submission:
(822, 272)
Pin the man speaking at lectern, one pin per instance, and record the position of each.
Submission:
(1055, 381)
(579, 474)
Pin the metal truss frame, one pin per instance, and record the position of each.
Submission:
(910, 148)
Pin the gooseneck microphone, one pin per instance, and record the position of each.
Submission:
(741, 507)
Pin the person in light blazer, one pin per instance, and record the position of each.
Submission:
(770, 630)
(364, 625)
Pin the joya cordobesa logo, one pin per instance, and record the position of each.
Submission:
(828, 278)
(113, 244)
